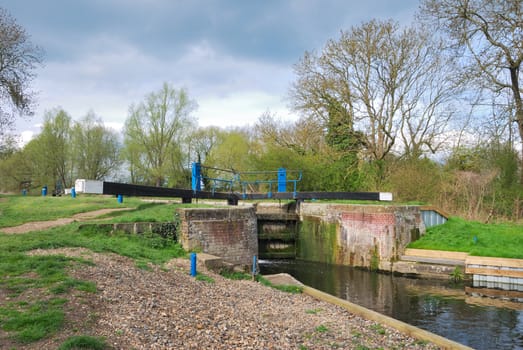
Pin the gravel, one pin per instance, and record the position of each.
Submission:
(163, 307)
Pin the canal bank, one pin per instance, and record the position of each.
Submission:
(437, 306)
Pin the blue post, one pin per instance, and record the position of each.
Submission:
(44, 191)
(196, 176)
(254, 266)
(193, 264)
(120, 199)
(73, 192)
(282, 180)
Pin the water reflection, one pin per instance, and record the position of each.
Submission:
(436, 306)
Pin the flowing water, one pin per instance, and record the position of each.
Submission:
(437, 306)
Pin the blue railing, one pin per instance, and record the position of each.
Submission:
(244, 181)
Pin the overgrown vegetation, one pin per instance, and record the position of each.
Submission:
(500, 240)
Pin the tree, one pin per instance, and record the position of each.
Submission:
(302, 145)
(154, 132)
(202, 142)
(491, 32)
(96, 150)
(18, 60)
(232, 151)
(376, 86)
(50, 153)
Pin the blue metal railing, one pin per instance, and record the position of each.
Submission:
(243, 181)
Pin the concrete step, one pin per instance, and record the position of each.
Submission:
(430, 260)
(436, 254)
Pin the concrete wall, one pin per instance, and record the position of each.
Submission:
(371, 236)
(230, 233)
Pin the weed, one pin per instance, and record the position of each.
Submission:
(83, 342)
(232, 275)
(201, 277)
(456, 275)
(313, 311)
(322, 329)
(284, 288)
(362, 347)
(378, 329)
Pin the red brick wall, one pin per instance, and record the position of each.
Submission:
(367, 232)
(230, 233)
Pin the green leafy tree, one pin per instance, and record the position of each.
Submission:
(154, 133)
(50, 153)
(96, 150)
(232, 151)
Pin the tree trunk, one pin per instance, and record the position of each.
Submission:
(514, 79)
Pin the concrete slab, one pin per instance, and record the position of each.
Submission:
(283, 279)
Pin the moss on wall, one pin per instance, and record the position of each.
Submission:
(317, 241)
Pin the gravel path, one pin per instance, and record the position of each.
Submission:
(165, 308)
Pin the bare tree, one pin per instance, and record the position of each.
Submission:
(491, 32)
(18, 60)
(379, 85)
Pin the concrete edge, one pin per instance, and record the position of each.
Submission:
(403, 327)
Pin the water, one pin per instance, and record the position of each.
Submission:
(436, 306)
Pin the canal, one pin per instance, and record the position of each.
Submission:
(437, 306)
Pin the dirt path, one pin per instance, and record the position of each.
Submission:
(163, 307)
(43, 225)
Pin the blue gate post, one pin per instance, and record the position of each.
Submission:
(282, 180)
(196, 176)
(193, 264)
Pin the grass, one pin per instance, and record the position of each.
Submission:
(84, 342)
(284, 288)
(17, 210)
(32, 322)
(495, 240)
(29, 320)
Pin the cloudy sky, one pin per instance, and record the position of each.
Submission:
(234, 57)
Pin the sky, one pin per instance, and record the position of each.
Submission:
(234, 57)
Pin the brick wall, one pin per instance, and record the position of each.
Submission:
(230, 233)
(363, 234)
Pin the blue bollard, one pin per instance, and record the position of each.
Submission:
(193, 264)
(44, 191)
(254, 267)
(120, 198)
(73, 192)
